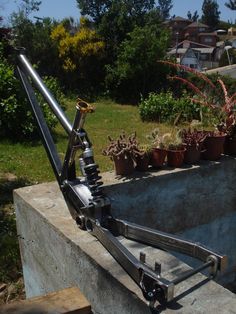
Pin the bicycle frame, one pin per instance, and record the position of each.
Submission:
(91, 209)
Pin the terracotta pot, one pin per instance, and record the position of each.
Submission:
(214, 147)
(142, 162)
(175, 158)
(230, 145)
(192, 154)
(123, 166)
(158, 157)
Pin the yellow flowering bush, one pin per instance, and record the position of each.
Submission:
(74, 49)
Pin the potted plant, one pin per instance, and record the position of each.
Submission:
(216, 98)
(230, 140)
(213, 145)
(175, 148)
(122, 151)
(193, 142)
(142, 157)
(158, 151)
(228, 121)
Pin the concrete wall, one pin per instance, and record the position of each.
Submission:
(219, 235)
(56, 254)
(175, 200)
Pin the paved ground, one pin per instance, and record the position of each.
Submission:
(229, 70)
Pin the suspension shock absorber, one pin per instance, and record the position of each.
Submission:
(92, 173)
(88, 167)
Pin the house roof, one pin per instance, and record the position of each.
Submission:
(197, 24)
(182, 51)
(190, 53)
(179, 18)
(178, 51)
(205, 50)
(4, 30)
(194, 43)
(208, 34)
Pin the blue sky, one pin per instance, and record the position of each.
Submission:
(59, 9)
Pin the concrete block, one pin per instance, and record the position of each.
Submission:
(56, 254)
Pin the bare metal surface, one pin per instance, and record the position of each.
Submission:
(45, 92)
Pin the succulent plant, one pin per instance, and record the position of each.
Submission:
(193, 138)
(125, 146)
(156, 139)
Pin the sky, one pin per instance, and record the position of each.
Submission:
(58, 9)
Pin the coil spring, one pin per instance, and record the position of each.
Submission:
(92, 175)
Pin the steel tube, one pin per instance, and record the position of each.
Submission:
(167, 241)
(192, 272)
(45, 92)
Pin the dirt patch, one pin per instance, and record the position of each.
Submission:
(11, 280)
(12, 292)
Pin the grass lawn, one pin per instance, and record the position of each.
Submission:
(27, 163)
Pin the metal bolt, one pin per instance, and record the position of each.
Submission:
(157, 268)
(142, 257)
(150, 294)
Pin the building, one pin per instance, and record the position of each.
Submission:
(190, 58)
(177, 25)
(232, 31)
(193, 43)
(206, 55)
(198, 32)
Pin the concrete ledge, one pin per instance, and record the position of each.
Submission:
(56, 254)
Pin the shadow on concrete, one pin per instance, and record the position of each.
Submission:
(174, 305)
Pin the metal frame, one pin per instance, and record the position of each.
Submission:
(91, 209)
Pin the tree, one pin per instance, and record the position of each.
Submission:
(211, 13)
(193, 17)
(231, 4)
(136, 71)
(29, 6)
(114, 19)
(224, 60)
(35, 38)
(80, 53)
(165, 6)
(96, 9)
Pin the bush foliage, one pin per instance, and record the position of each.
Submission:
(16, 119)
(163, 107)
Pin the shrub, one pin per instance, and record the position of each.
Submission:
(16, 119)
(164, 107)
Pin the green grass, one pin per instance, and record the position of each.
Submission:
(29, 161)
